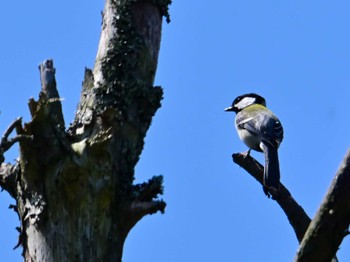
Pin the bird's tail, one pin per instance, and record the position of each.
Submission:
(272, 167)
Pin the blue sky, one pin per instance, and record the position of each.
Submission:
(294, 53)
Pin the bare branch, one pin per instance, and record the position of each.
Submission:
(331, 223)
(137, 209)
(296, 215)
(11, 127)
(144, 201)
(7, 143)
(147, 208)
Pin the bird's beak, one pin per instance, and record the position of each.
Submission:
(228, 109)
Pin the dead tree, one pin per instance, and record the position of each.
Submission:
(73, 186)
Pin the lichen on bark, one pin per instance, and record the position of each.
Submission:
(74, 188)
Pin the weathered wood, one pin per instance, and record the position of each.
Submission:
(8, 172)
(331, 223)
(74, 188)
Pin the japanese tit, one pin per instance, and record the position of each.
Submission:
(260, 130)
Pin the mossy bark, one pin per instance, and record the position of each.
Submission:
(74, 187)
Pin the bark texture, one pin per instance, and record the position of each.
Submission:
(331, 222)
(74, 188)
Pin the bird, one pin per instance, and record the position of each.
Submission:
(261, 131)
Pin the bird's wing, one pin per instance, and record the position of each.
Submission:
(264, 125)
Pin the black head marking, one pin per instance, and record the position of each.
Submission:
(258, 99)
(245, 100)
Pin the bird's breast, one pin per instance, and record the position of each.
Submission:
(249, 139)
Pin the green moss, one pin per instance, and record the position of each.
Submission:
(164, 8)
(127, 94)
(125, 58)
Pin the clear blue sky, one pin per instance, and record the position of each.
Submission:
(294, 53)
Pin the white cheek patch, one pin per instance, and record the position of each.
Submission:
(246, 101)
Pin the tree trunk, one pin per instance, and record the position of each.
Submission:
(74, 188)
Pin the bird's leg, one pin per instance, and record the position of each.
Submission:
(271, 191)
(247, 153)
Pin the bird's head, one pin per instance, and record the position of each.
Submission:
(245, 100)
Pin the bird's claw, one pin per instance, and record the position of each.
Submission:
(271, 192)
(246, 153)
